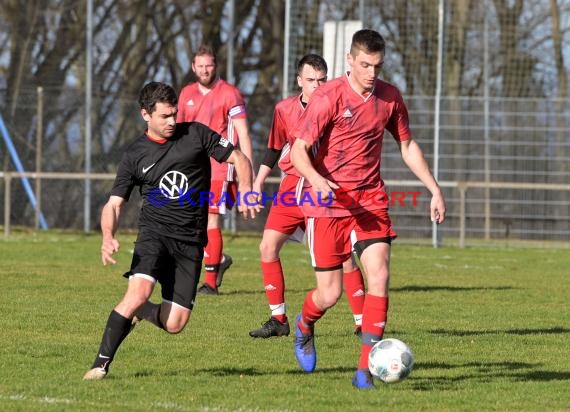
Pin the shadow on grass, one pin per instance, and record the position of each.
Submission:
(419, 288)
(482, 372)
(526, 331)
(411, 288)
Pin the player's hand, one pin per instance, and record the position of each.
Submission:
(437, 208)
(108, 247)
(257, 189)
(249, 206)
(323, 189)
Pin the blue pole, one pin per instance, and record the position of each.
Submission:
(20, 168)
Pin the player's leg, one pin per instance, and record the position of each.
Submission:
(179, 288)
(212, 255)
(148, 253)
(215, 261)
(119, 325)
(274, 285)
(375, 259)
(374, 235)
(283, 222)
(327, 257)
(354, 290)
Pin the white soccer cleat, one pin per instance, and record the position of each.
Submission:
(95, 374)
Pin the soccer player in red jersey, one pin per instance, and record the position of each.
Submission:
(286, 220)
(345, 121)
(219, 105)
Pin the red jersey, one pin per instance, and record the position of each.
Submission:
(285, 117)
(347, 130)
(216, 109)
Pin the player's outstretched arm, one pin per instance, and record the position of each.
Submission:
(414, 158)
(109, 224)
(248, 205)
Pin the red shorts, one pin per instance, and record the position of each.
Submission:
(331, 239)
(220, 192)
(284, 215)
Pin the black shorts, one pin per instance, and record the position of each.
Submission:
(174, 263)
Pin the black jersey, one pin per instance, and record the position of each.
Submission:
(174, 179)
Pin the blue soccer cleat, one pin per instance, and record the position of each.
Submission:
(362, 379)
(305, 348)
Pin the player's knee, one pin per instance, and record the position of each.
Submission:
(268, 250)
(174, 327)
(349, 266)
(378, 282)
(176, 321)
(329, 298)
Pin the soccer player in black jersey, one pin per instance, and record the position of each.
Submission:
(170, 164)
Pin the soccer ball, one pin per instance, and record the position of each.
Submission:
(390, 360)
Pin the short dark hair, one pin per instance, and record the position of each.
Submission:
(205, 50)
(369, 41)
(156, 92)
(313, 60)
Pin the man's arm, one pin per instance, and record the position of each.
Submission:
(109, 224)
(247, 205)
(244, 139)
(302, 162)
(262, 174)
(414, 158)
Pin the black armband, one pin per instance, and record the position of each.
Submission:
(271, 157)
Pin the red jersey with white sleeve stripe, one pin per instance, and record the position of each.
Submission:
(285, 117)
(347, 128)
(216, 109)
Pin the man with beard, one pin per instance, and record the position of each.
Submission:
(219, 105)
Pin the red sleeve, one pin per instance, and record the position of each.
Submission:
(399, 124)
(278, 132)
(181, 106)
(236, 103)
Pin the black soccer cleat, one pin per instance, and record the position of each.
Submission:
(358, 332)
(271, 328)
(206, 289)
(225, 265)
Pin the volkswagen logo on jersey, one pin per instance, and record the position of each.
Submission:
(174, 184)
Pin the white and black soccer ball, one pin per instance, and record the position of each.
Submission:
(390, 360)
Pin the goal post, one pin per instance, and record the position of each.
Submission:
(337, 36)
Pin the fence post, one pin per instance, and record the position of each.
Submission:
(7, 201)
(462, 186)
(39, 153)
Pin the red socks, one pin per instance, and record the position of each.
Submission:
(309, 314)
(354, 291)
(374, 318)
(213, 256)
(274, 284)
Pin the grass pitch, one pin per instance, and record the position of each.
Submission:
(489, 328)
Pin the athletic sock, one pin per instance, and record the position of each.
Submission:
(151, 312)
(310, 314)
(117, 329)
(213, 256)
(374, 317)
(354, 290)
(274, 284)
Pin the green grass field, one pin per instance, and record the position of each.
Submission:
(489, 328)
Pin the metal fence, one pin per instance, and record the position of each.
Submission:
(500, 116)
